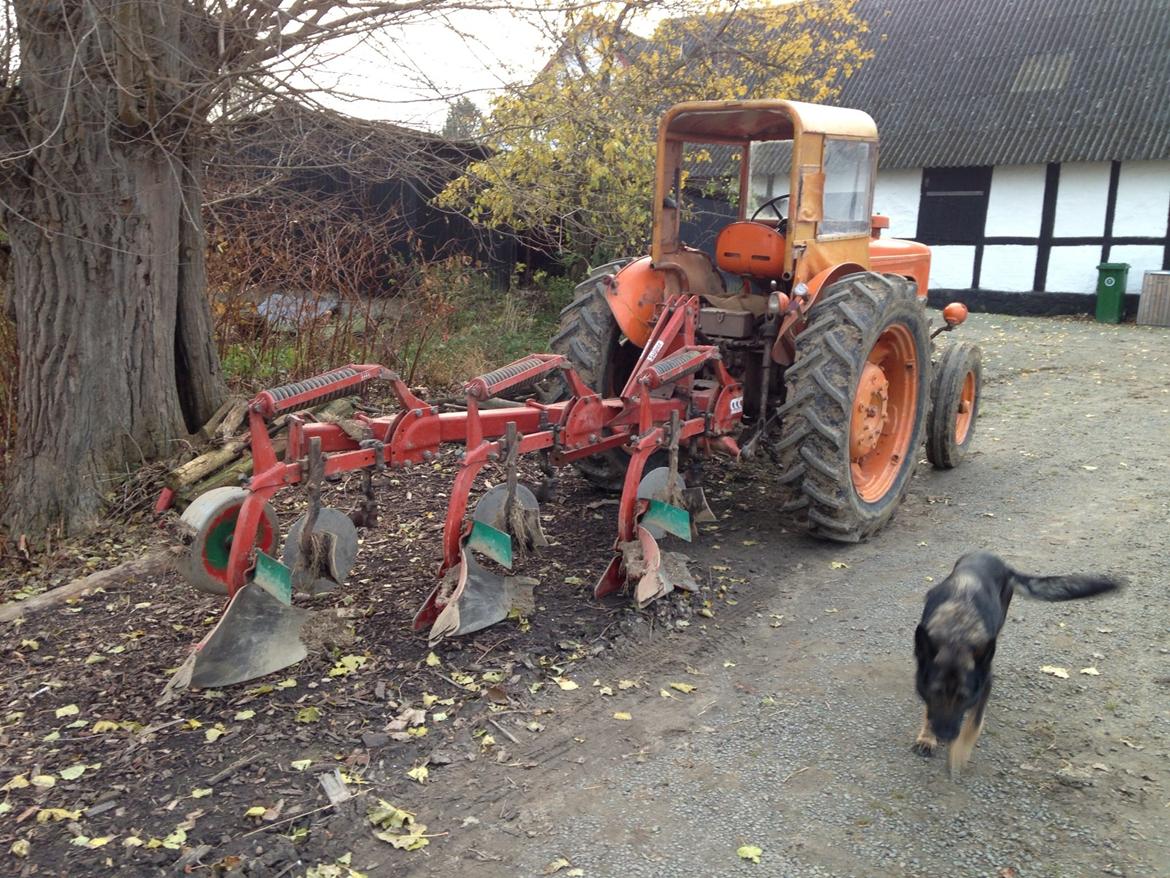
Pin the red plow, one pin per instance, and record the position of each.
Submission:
(678, 397)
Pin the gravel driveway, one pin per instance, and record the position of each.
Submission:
(796, 738)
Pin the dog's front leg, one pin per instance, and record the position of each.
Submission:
(926, 742)
(961, 747)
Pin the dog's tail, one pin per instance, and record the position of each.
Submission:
(1064, 588)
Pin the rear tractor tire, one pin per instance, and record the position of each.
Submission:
(589, 337)
(857, 398)
(955, 391)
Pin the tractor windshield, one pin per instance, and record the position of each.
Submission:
(770, 162)
(849, 171)
(709, 197)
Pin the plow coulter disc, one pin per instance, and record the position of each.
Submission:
(335, 545)
(212, 520)
(524, 522)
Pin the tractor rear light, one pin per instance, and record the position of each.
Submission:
(777, 302)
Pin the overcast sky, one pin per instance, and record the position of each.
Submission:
(406, 75)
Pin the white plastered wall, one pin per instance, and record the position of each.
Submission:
(951, 267)
(1073, 268)
(1141, 258)
(1081, 199)
(896, 195)
(1016, 202)
(1008, 267)
(1143, 200)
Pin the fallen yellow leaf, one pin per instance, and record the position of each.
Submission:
(622, 715)
(1054, 671)
(19, 782)
(56, 814)
(749, 852)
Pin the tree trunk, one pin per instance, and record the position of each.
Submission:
(114, 331)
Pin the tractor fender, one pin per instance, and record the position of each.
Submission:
(783, 349)
(635, 293)
(632, 295)
(826, 277)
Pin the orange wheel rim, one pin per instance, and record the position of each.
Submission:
(966, 409)
(883, 410)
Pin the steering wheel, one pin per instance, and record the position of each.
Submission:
(773, 203)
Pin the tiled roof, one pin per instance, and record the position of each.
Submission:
(988, 82)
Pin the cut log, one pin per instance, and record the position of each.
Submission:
(195, 473)
(201, 467)
(207, 431)
(233, 422)
(150, 565)
(229, 475)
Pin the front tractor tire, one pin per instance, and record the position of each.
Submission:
(589, 337)
(857, 397)
(954, 396)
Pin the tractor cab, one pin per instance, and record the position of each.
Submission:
(758, 202)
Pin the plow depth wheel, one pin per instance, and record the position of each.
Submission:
(212, 519)
(955, 389)
(857, 400)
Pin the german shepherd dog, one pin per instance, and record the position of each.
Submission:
(955, 641)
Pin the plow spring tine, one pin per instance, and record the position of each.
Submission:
(322, 544)
(511, 508)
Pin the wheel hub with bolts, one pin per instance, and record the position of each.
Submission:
(870, 411)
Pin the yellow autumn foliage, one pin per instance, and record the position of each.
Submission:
(573, 166)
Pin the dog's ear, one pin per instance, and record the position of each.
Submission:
(924, 650)
(984, 654)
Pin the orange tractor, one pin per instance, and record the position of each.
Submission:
(806, 335)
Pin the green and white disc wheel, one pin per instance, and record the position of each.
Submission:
(212, 519)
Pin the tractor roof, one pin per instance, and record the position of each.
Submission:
(739, 121)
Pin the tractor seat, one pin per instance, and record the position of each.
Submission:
(750, 249)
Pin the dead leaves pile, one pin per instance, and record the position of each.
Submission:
(397, 827)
